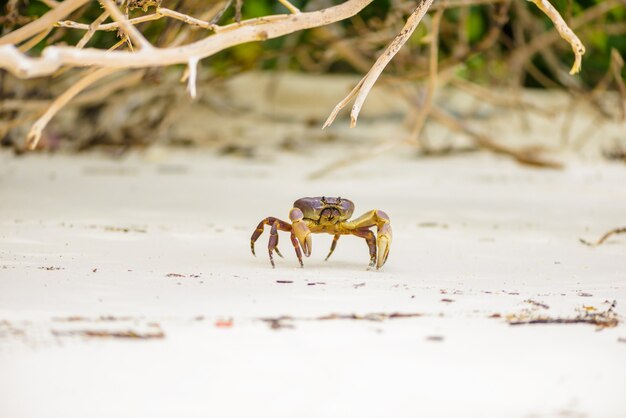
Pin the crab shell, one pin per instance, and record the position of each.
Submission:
(325, 210)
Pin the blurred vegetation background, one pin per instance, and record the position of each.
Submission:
(508, 43)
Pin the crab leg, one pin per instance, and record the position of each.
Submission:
(332, 246)
(276, 224)
(379, 219)
(294, 241)
(370, 239)
(273, 241)
(301, 230)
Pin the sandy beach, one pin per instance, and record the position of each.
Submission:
(127, 289)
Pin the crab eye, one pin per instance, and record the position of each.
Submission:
(323, 199)
(339, 200)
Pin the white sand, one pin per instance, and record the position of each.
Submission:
(478, 230)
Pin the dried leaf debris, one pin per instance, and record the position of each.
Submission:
(585, 315)
(282, 322)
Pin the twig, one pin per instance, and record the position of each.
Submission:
(238, 6)
(453, 4)
(187, 19)
(284, 321)
(36, 130)
(191, 78)
(492, 36)
(617, 63)
(108, 26)
(32, 42)
(565, 32)
(92, 29)
(364, 86)
(415, 135)
(34, 135)
(485, 94)
(50, 3)
(586, 315)
(131, 31)
(43, 23)
(524, 156)
(542, 41)
(604, 237)
(293, 9)
(209, 17)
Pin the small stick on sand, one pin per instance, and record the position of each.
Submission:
(604, 237)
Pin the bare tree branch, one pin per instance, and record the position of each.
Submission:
(43, 23)
(35, 131)
(258, 29)
(363, 88)
(565, 32)
(130, 30)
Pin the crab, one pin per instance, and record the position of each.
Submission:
(328, 215)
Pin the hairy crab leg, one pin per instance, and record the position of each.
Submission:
(301, 230)
(370, 239)
(384, 234)
(294, 241)
(332, 246)
(273, 241)
(275, 224)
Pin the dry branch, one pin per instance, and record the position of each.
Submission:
(528, 156)
(542, 41)
(35, 131)
(128, 29)
(432, 80)
(293, 9)
(258, 29)
(92, 29)
(362, 89)
(160, 12)
(43, 23)
(565, 32)
(27, 46)
(604, 237)
(104, 62)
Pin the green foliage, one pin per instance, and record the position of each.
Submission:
(476, 25)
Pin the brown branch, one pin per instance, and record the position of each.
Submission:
(108, 26)
(523, 156)
(453, 4)
(187, 19)
(292, 9)
(92, 29)
(565, 32)
(32, 42)
(364, 86)
(43, 23)
(501, 100)
(540, 42)
(258, 29)
(50, 3)
(617, 63)
(35, 131)
(604, 237)
(129, 30)
(420, 121)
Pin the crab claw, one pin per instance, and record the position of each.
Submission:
(301, 231)
(383, 243)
